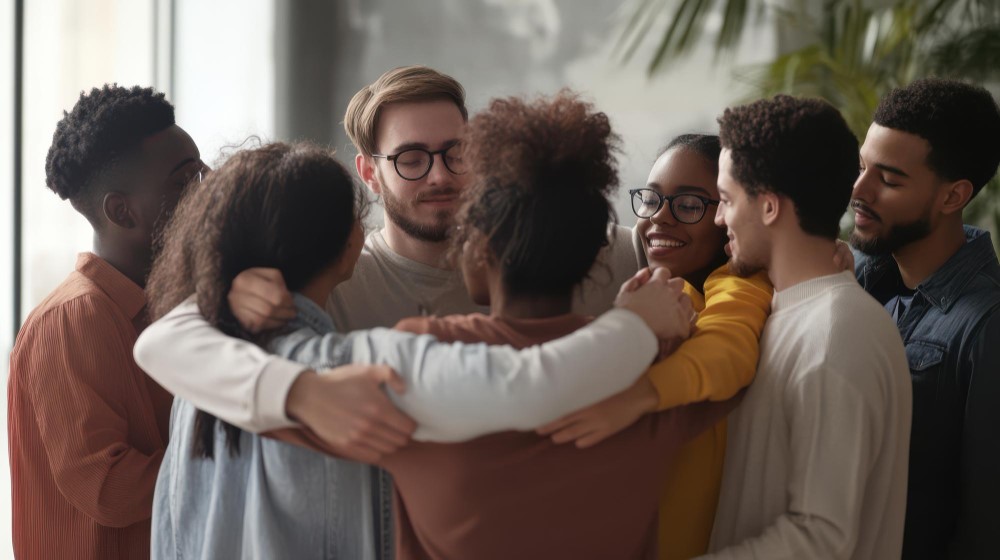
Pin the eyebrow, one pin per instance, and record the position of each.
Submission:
(682, 189)
(181, 164)
(422, 145)
(891, 169)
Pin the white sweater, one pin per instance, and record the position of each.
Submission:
(816, 457)
(244, 385)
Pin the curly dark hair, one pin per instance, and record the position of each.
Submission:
(286, 206)
(105, 126)
(544, 169)
(705, 145)
(798, 148)
(960, 121)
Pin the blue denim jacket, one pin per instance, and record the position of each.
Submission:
(951, 331)
(273, 500)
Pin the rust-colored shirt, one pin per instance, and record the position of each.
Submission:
(517, 495)
(87, 428)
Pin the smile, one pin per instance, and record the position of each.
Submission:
(659, 242)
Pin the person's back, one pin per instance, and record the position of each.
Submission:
(518, 494)
(849, 353)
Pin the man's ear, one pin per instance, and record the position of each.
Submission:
(116, 210)
(956, 196)
(770, 208)
(366, 171)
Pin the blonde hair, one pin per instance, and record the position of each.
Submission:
(399, 85)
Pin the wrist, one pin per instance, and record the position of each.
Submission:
(297, 401)
(646, 397)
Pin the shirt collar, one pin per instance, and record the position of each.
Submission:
(124, 292)
(310, 315)
(946, 284)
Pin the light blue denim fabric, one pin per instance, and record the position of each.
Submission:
(273, 500)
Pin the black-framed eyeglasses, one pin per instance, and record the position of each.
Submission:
(415, 163)
(685, 208)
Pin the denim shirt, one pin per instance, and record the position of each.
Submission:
(272, 500)
(951, 331)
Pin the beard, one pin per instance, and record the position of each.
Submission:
(895, 238)
(743, 269)
(398, 212)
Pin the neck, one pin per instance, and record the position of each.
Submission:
(697, 278)
(920, 259)
(530, 306)
(801, 257)
(504, 305)
(430, 253)
(130, 261)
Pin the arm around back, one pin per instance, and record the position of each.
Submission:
(720, 358)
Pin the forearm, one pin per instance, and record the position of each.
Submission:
(114, 485)
(456, 392)
(792, 536)
(227, 377)
(721, 356)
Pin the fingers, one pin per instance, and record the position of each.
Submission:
(572, 432)
(662, 274)
(592, 439)
(389, 376)
(636, 281)
(556, 425)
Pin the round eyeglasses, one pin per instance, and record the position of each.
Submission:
(685, 208)
(415, 163)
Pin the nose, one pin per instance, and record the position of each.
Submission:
(720, 215)
(663, 215)
(439, 174)
(864, 187)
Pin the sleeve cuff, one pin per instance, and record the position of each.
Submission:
(272, 391)
(646, 342)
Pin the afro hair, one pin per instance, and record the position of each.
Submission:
(104, 125)
(795, 147)
(960, 121)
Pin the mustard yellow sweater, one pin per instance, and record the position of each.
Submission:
(717, 361)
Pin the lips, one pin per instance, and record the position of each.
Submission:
(660, 245)
(863, 215)
(438, 197)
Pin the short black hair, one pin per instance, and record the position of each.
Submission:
(796, 147)
(544, 169)
(105, 125)
(960, 121)
(705, 145)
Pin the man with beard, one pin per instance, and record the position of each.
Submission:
(933, 146)
(87, 427)
(816, 453)
(407, 127)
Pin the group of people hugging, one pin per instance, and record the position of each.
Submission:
(239, 370)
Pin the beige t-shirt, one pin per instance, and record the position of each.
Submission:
(816, 458)
(387, 287)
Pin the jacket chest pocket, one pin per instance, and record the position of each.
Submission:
(930, 433)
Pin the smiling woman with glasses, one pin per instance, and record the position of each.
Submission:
(686, 208)
(414, 164)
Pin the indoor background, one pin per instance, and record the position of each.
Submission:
(283, 70)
